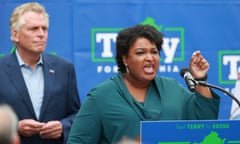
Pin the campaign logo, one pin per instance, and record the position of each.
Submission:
(11, 51)
(229, 66)
(103, 45)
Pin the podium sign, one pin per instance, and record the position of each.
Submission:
(191, 132)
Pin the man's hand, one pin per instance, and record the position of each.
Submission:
(29, 127)
(51, 130)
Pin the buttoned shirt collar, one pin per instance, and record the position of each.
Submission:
(21, 62)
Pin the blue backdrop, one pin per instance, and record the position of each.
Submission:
(84, 31)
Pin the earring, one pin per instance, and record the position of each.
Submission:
(126, 68)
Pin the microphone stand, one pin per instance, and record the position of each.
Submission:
(204, 83)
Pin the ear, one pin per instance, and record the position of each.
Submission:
(14, 36)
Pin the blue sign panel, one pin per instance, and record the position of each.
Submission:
(191, 132)
(84, 32)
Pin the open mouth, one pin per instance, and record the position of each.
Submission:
(149, 69)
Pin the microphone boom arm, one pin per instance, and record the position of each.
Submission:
(204, 83)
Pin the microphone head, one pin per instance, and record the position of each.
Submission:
(183, 71)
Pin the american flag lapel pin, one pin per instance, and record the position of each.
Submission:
(51, 71)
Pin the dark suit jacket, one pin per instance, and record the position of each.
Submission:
(61, 100)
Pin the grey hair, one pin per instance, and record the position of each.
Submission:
(16, 20)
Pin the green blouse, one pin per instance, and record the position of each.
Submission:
(110, 113)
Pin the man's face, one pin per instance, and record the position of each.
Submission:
(32, 35)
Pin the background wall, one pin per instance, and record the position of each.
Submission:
(84, 31)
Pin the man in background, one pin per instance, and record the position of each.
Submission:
(8, 125)
(40, 87)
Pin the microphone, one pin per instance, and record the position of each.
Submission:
(185, 73)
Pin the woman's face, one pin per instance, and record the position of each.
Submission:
(142, 60)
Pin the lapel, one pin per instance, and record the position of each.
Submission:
(14, 73)
(49, 71)
(143, 112)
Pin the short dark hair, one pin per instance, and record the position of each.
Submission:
(128, 36)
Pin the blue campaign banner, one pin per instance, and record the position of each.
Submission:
(84, 32)
(190, 132)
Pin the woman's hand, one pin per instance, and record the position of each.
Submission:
(199, 66)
